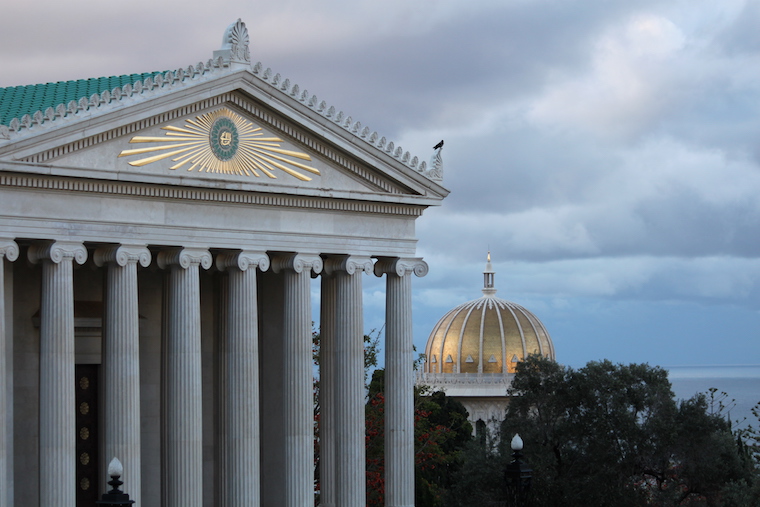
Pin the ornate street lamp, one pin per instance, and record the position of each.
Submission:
(115, 497)
(517, 475)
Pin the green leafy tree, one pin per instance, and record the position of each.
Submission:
(611, 434)
(746, 492)
(371, 353)
(441, 431)
(479, 480)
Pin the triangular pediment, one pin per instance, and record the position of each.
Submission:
(218, 144)
(235, 128)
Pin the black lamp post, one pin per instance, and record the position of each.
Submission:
(517, 475)
(115, 497)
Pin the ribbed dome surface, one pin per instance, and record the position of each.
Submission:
(487, 335)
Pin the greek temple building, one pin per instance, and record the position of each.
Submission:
(161, 235)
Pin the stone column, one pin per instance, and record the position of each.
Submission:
(57, 410)
(399, 380)
(297, 370)
(121, 360)
(8, 250)
(327, 392)
(220, 400)
(182, 378)
(240, 375)
(350, 476)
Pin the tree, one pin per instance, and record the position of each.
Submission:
(703, 457)
(746, 493)
(441, 430)
(611, 434)
(479, 480)
(371, 352)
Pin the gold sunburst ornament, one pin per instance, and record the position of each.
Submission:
(222, 142)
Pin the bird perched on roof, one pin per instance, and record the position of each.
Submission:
(436, 163)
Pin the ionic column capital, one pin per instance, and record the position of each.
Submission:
(347, 263)
(297, 262)
(184, 257)
(8, 249)
(242, 260)
(400, 267)
(57, 251)
(122, 255)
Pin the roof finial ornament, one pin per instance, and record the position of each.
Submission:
(488, 288)
(235, 44)
(436, 163)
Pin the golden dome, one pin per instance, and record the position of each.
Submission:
(486, 335)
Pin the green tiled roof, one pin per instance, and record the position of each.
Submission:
(16, 101)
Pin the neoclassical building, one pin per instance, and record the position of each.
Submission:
(160, 237)
(473, 350)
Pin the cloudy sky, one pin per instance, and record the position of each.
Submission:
(606, 152)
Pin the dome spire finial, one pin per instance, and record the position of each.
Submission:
(488, 275)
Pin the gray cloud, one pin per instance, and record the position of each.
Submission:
(456, 68)
(741, 35)
(607, 152)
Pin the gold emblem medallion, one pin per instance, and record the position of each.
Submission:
(222, 142)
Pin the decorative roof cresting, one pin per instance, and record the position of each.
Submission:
(234, 55)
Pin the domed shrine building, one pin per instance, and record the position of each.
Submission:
(473, 350)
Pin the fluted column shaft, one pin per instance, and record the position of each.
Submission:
(57, 411)
(8, 250)
(220, 402)
(297, 386)
(121, 359)
(399, 380)
(350, 463)
(184, 437)
(327, 440)
(241, 483)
